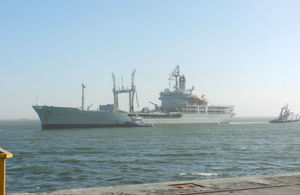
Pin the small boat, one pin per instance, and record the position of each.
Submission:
(137, 122)
(286, 116)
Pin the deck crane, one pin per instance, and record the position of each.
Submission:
(131, 92)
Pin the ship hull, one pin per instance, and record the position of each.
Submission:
(283, 121)
(52, 117)
(73, 126)
(189, 119)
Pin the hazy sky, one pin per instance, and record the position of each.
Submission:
(243, 53)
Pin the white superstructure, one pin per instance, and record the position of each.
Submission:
(180, 105)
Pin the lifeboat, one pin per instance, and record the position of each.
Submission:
(201, 100)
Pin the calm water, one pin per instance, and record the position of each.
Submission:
(48, 160)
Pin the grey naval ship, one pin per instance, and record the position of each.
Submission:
(180, 106)
(53, 117)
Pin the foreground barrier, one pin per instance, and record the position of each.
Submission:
(3, 156)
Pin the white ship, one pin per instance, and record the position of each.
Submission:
(180, 106)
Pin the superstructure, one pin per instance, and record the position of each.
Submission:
(180, 105)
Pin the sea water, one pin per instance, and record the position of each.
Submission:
(49, 160)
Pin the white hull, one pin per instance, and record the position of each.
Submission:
(191, 119)
(62, 117)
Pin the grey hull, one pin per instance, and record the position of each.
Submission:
(53, 117)
(73, 126)
(283, 121)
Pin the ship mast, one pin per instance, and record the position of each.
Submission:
(176, 74)
(132, 92)
(82, 97)
(115, 93)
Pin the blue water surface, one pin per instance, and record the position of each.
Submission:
(49, 160)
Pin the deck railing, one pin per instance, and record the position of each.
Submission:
(3, 156)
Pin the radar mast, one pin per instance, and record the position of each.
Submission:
(176, 75)
(82, 97)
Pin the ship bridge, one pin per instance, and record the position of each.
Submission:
(177, 97)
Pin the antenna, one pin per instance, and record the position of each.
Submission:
(37, 100)
(115, 93)
(82, 97)
(176, 74)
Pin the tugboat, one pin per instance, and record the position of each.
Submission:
(137, 122)
(286, 116)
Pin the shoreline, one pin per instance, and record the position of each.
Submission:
(265, 185)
